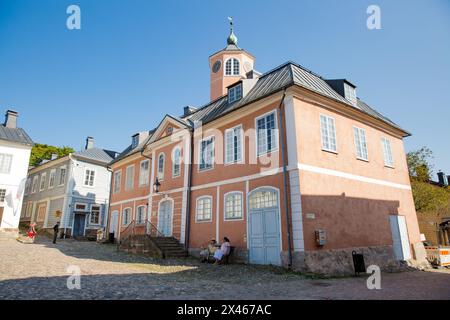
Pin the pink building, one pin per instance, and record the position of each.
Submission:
(293, 168)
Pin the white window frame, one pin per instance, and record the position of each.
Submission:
(160, 173)
(228, 194)
(99, 215)
(3, 157)
(130, 218)
(232, 73)
(235, 93)
(40, 205)
(241, 137)
(197, 220)
(361, 143)
(350, 93)
(35, 184)
(43, 181)
(386, 146)
(29, 209)
(28, 184)
(200, 153)
(144, 208)
(85, 205)
(127, 171)
(277, 135)
(134, 141)
(52, 174)
(117, 187)
(65, 175)
(174, 174)
(144, 175)
(329, 137)
(93, 180)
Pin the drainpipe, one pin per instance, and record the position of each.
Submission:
(108, 221)
(188, 194)
(150, 183)
(285, 177)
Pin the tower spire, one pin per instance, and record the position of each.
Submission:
(232, 39)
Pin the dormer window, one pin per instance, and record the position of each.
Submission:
(134, 141)
(235, 93)
(232, 67)
(350, 93)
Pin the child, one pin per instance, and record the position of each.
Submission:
(32, 231)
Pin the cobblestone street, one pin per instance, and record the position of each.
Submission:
(39, 271)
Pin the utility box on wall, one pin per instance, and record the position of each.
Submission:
(321, 237)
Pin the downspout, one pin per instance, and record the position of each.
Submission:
(285, 177)
(150, 167)
(188, 194)
(107, 226)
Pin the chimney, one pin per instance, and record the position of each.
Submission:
(440, 175)
(89, 143)
(54, 156)
(188, 110)
(11, 119)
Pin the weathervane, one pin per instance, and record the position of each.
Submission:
(231, 23)
(232, 39)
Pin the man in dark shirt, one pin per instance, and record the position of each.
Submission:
(55, 230)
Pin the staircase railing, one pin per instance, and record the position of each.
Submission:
(152, 231)
(147, 228)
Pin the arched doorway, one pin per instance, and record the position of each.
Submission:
(165, 214)
(264, 226)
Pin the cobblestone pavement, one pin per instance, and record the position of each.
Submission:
(39, 271)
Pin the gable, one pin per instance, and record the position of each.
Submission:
(167, 126)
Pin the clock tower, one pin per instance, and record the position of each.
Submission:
(228, 66)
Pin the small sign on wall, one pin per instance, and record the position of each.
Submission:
(311, 216)
(154, 213)
(58, 213)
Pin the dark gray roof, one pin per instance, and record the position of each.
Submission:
(17, 135)
(275, 80)
(129, 150)
(96, 154)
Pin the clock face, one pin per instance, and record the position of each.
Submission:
(247, 66)
(216, 66)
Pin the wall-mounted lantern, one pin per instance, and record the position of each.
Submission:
(156, 186)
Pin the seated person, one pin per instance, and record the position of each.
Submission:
(210, 250)
(223, 251)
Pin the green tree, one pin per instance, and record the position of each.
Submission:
(418, 163)
(44, 151)
(427, 197)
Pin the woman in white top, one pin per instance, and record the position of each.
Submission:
(223, 251)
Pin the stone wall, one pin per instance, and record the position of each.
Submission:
(140, 244)
(340, 262)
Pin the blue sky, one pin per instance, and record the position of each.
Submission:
(134, 61)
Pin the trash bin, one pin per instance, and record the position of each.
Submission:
(358, 263)
(111, 237)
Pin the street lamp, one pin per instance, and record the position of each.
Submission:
(156, 186)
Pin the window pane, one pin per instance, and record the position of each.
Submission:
(5, 163)
(228, 67)
(161, 166)
(235, 67)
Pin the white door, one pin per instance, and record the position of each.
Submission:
(400, 239)
(114, 222)
(165, 218)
